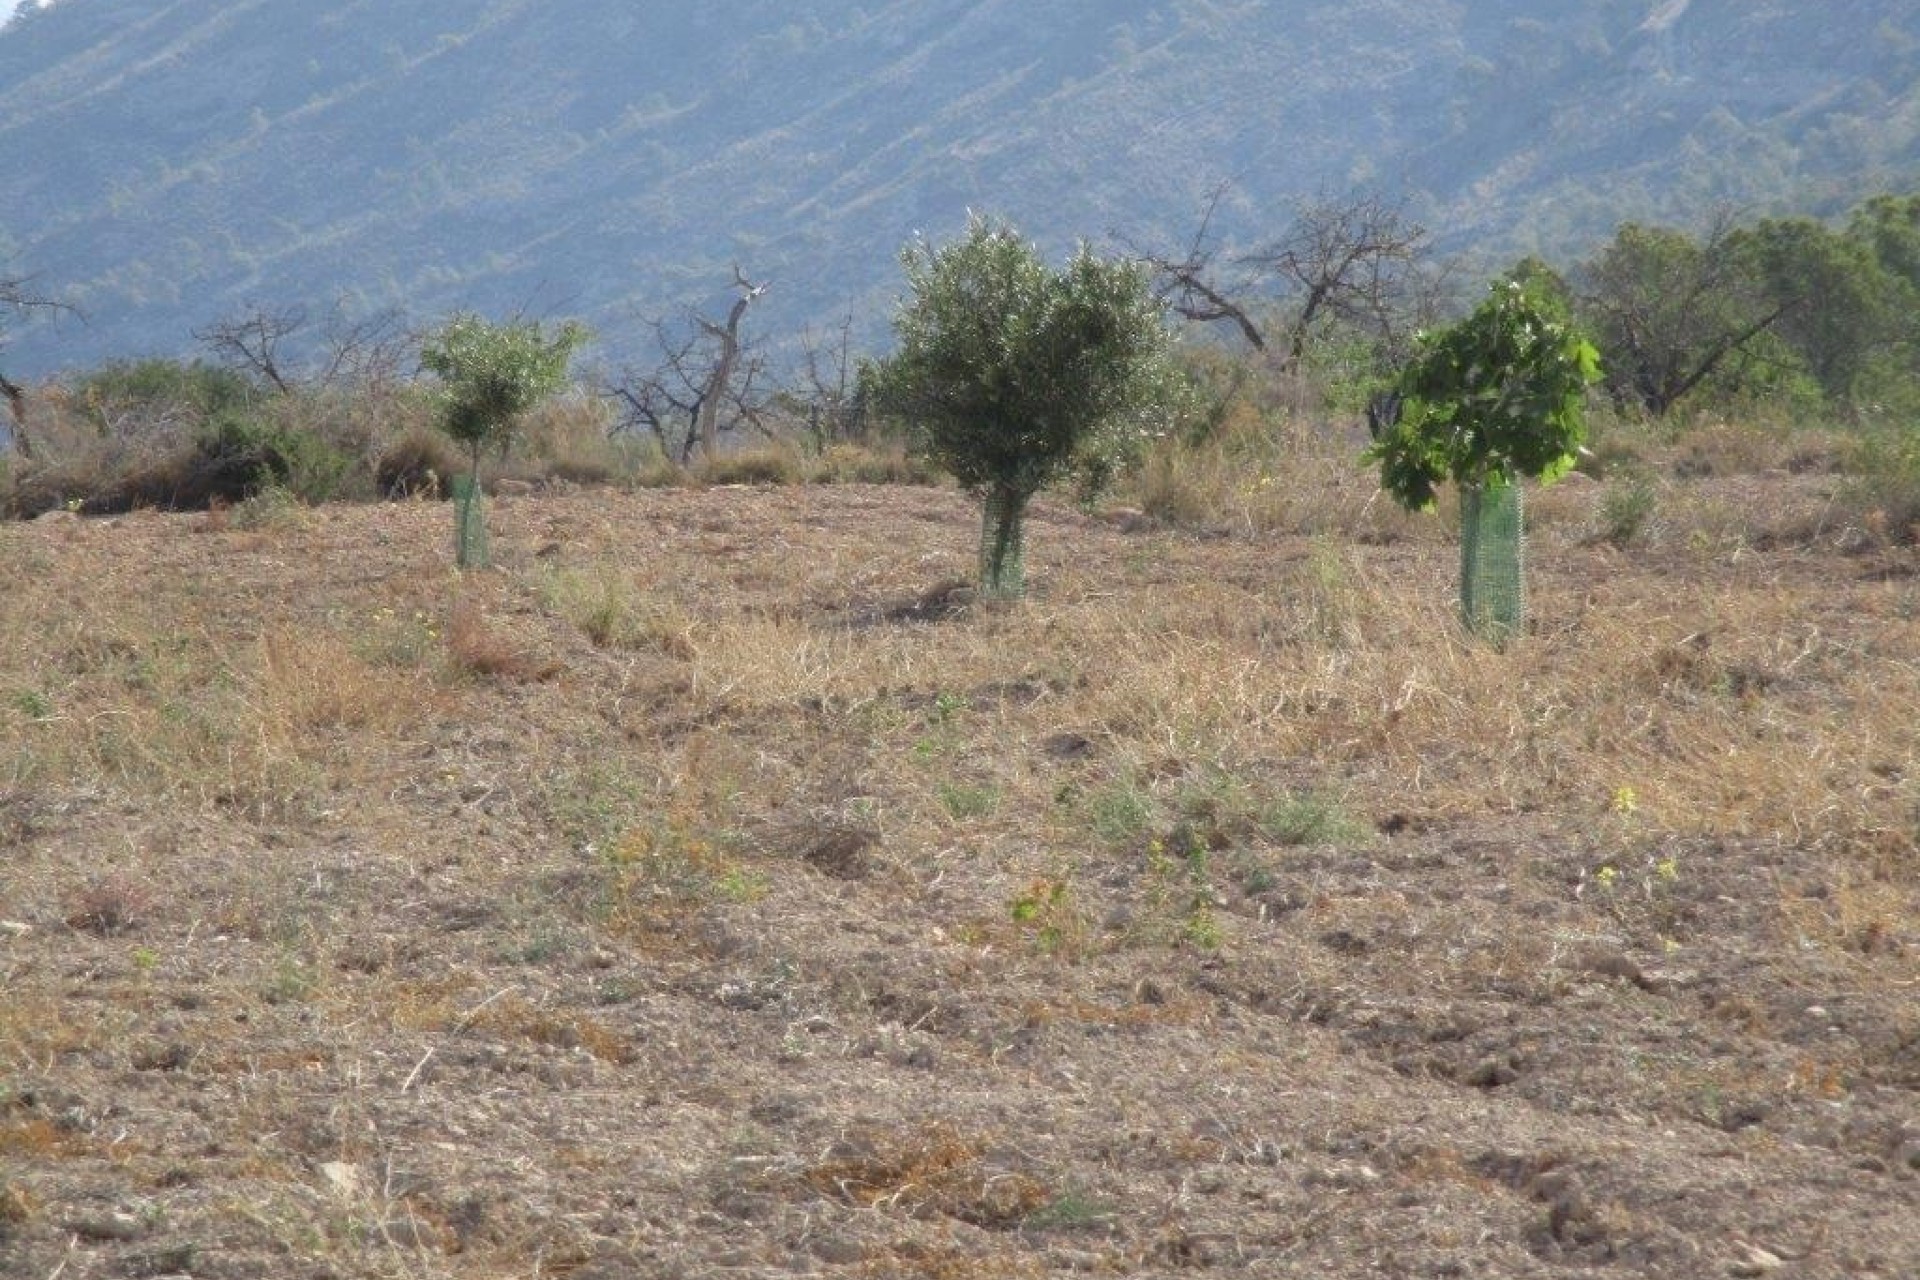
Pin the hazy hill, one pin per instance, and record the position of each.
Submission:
(168, 160)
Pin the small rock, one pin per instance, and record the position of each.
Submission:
(1209, 1182)
(342, 1177)
(1075, 1260)
(1755, 1261)
(106, 1226)
(836, 1251)
(410, 1233)
(1491, 1073)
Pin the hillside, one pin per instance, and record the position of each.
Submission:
(169, 160)
(712, 890)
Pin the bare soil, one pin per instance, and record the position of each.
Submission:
(714, 888)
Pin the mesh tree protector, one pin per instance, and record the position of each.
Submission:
(469, 525)
(1003, 552)
(1493, 583)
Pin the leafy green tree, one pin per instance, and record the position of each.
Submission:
(1671, 313)
(1888, 229)
(1497, 398)
(1836, 303)
(492, 376)
(1013, 375)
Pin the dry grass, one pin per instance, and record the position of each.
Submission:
(710, 889)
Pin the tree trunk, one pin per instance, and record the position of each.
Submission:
(17, 408)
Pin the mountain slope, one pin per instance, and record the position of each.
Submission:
(169, 160)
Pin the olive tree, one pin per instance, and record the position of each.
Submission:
(1490, 401)
(491, 376)
(1012, 374)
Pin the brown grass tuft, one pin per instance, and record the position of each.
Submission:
(111, 905)
(935, 1169)
(475, 646)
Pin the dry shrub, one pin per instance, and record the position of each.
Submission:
(848, 463)
(110, 905)
(1882, 492)
(476, 646)
(513, 1016)
(936, 1169)
(572, 439)
(315, 681)
(1719, 448)
(1265, 477)
(771, 463)
(419, 463)
(613, 612)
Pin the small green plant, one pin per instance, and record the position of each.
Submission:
(491, 377)
(1045, 910)
(1180, 889)
(1489, 402)
(32, 704)
(1120, 811)
(1310, 817)
(965, 801)
(1626, 506)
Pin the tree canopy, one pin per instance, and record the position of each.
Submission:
(1496, 397)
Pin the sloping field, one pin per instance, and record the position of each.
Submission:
(712, 889)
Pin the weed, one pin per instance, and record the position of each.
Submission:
(1625, 508)
(1306, 818)
(32, 704)
(110, 905)
(937, 1170)
(1046, 912)
(966, 801)
(1120, 811)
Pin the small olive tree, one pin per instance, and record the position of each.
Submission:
(491, 376)
(1488, 402)
(1013, 375)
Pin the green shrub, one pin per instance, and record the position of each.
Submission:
(1882, 490)
(1626, 506)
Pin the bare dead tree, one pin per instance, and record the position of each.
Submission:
(1354, 260)
(369, 353)
(251, 342)
(707, 381)
(18, 295)
(1189, 286)
(826, 397)
(720, 379)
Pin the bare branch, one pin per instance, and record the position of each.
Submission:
(1353, 260)
(1186, 284)
(18, 294)
(251, 342)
